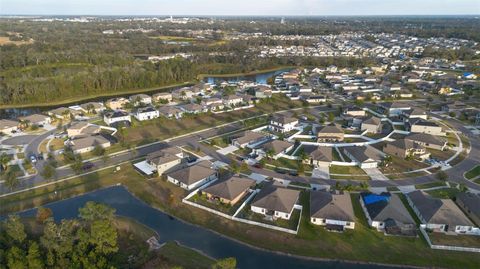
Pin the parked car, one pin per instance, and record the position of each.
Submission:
(33, 159)
(87, 166)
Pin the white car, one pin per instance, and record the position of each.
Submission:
(33, 159)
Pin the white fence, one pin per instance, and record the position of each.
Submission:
(453, 248)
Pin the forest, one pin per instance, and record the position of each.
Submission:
(65, 60)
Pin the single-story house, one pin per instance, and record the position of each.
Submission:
(274, 201)
(116, 103)
(170, 112)
(283, 124)
(404, 148)
(414, 113)
(320, 156)
(330, 133)
(440, 215)
(193, 108)
(335, 211)
(117, 116)
(88, 143)
(193, 176)
(386, 212)
(428, 140)
(354, 111)
(394, 109)
(249, 139)
(275, 148)
(93, 107)
(365, 156)
(37, 119)
(63, 113)
(8, 126)
(229, 191)
(470, 204)
(232, 100)
(141, 98)
(162, 96)
(82, 128)
(372, 125)
(165, 159)
(146, 113)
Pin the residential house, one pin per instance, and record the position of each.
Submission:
(314, 99)
(330, 133)
(37, 119)
(455, 107)
(162, 97)
(275, 148)
(193, 108)
(354, 112)
(166, 159)
(404, 148)
(261, 91)
(386, 212)
(146, 113)
(426, 127)
(63, 113)
(320, 156)
(413, 114)
(170, 112)
(276, 202)
(116, 117)
(140, 99)
(193, 176)
(250, 139)
(185, 93)
(117, 103)
(440, 215)
(428, 140)
(394, 109)
(93, 107)
(335, 211)
(372, 125)
(232, 100)
(82, 128)
(8, 126)
(86, 144)
(364, 156)
(470, 204)
(229, 191)
(283, 124)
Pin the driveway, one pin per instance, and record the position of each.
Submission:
(322, 171)
(227, 150)
(375, 174)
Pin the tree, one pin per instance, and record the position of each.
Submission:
(227, 263)
(77, 166)
(43, 213)
(34, 260)
(103, 236)
(16, 258)
(15, 229)
(270, 153)
(4, 160)
(49, 171)
(11, 179)
(98, 150)
(331, 117)
(95, 211)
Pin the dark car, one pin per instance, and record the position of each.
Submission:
(293, 173)
(257, 165)
(280, 171)
(87, 166)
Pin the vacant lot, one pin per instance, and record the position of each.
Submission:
(5, 40)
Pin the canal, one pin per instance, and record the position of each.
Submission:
(192, 236)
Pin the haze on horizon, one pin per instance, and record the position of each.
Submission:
(236, 7)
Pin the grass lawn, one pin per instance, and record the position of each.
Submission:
(447, 193)
(441, 155)
(21, 155)
(283, 162)
(392, 188)
(454, 240)
(362, 244)
(176, 254)
(400, 165)
(406, 175)
(430, 185)
(228, 209)
(291, 224)
(473, 173)
(346, 170)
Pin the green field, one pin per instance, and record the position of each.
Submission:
(473, 173)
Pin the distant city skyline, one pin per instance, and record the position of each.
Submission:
(238, 8)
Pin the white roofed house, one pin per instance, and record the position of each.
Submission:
(193, 176)
(140, 99)
(364, 156)
(232, 100)
(276, 202)
(334, 211)
(283, 124)
(146, 113)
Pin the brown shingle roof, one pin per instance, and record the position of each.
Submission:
(230, 188)
(331, 206)
(276, 198)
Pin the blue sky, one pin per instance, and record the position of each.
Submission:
(240, 7)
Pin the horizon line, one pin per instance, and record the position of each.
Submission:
(243, 15)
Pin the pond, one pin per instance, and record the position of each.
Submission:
(192, 236)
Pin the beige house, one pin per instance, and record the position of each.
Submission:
(229, 191)
(403, 148)
(82, 128)
(193, 176)
(162, 96)
(117, 103)
(8, 126)
(321, 156)
(330, 133)
(88, 143)
(165, 159)
(334, 211)
(37, 119)
(426, 127)
(372, 125)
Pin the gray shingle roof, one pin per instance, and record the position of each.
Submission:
(331, 206)
(276, 198)
(230, 188)
(193, 174)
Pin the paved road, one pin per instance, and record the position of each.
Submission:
(19, 140)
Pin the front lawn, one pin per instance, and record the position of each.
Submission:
(473, 173)
(346, 170)
(447, 193)
(228, 209)
(430, 185)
